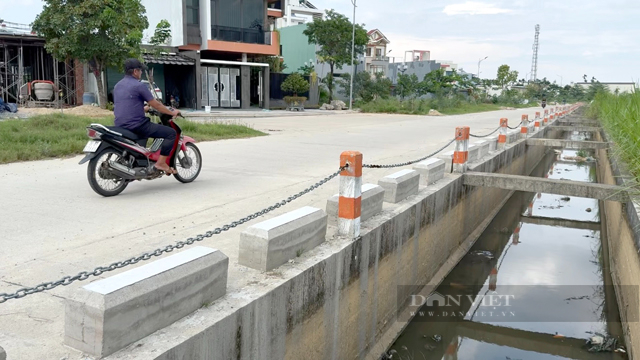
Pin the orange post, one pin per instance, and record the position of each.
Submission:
(502, 138)
(461, 154)
(350, 200)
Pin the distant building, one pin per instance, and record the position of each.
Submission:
(293, 12)
(621, 87)
(376, 60)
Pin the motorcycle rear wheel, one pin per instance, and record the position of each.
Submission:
(101, 181)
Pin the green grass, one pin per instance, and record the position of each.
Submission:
(447, 106)
(620, 116)
(57, 135)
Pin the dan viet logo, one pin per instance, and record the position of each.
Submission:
(438, 305)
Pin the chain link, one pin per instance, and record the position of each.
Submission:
(483, 136)
(515, 127)
(84, 275)
(390, 166)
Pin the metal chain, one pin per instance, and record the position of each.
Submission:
(84, 275)
(513, 128)
(482, 136)
(408, 162)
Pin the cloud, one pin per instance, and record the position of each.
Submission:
(474, 8)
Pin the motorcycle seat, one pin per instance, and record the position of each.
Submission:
(128, 134)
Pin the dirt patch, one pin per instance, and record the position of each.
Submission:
(83, 110)
(435, 113)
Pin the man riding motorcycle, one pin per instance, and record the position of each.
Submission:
(129, 96)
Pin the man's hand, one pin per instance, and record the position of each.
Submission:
(163, 109)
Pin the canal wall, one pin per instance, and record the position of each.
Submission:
(622, 225)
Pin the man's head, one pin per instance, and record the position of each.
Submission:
(134, 68)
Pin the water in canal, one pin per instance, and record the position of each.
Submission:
(535, 285)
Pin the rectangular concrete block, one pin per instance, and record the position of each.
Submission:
(271, 243)
(107, 315)
(493, 143)
(430, 170)
(372, 199)
(447, 157)
(513, 136)
(400, 185)
(474, 152)
(483, 145)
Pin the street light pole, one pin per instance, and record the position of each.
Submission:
(353, 50)
(560, 79)
(479, 61)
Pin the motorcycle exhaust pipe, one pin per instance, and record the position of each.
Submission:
(122, 171)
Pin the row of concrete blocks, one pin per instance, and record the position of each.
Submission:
(110, 314)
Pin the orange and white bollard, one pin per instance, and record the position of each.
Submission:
(536, 124)
(451, 353)
(493, 279)
(525, 127)
(530, 209)
(350, 201)
(515, 239)
(461, 154)
(502, 137)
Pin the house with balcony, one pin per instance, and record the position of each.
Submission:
(226, 42)
(293, 12)
(376, 59)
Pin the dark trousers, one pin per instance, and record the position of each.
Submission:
(157, 131)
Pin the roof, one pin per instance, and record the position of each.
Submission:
(168, 59)
(371, 32)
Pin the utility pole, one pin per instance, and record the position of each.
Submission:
(479, 61)
(353, 50)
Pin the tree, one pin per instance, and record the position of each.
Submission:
(295, 84)
(408, 85)
(162, 33)
(100, 32)
(307, 69)
(505, 76)
(333, 35)
(365, 87)
(438, 82)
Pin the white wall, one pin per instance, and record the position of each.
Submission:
(205, 22)
(170, 10)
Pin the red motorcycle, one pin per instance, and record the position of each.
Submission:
(117, 157)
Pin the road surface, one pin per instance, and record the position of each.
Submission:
(54, 225)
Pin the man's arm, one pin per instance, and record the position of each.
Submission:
(163, 109)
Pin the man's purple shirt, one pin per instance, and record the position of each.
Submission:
(129, 96)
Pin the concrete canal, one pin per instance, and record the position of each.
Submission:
(535, 285)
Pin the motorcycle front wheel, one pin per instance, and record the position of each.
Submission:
(188, 164)
(102, 181)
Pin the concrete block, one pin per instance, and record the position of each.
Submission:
(513, 137)
(493, 142)
(400, 185)
(372, 199)
(430, 170)
(474, 152)
(483, 145)
(447, 157)
(271, 243)
(107, 315)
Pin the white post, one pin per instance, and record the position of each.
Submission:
(353, 49)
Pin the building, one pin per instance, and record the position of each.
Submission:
(293, 12)
(228, 42)
(25, 62)
(621, 87)
(376, 59)
(419, 68)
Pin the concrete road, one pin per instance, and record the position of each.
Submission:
(53, 224)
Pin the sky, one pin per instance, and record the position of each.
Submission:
(594, 37)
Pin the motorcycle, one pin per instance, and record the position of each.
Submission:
(118, 157)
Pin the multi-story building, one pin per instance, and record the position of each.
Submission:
(293, 12)
(226, 41)
(376, 59)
